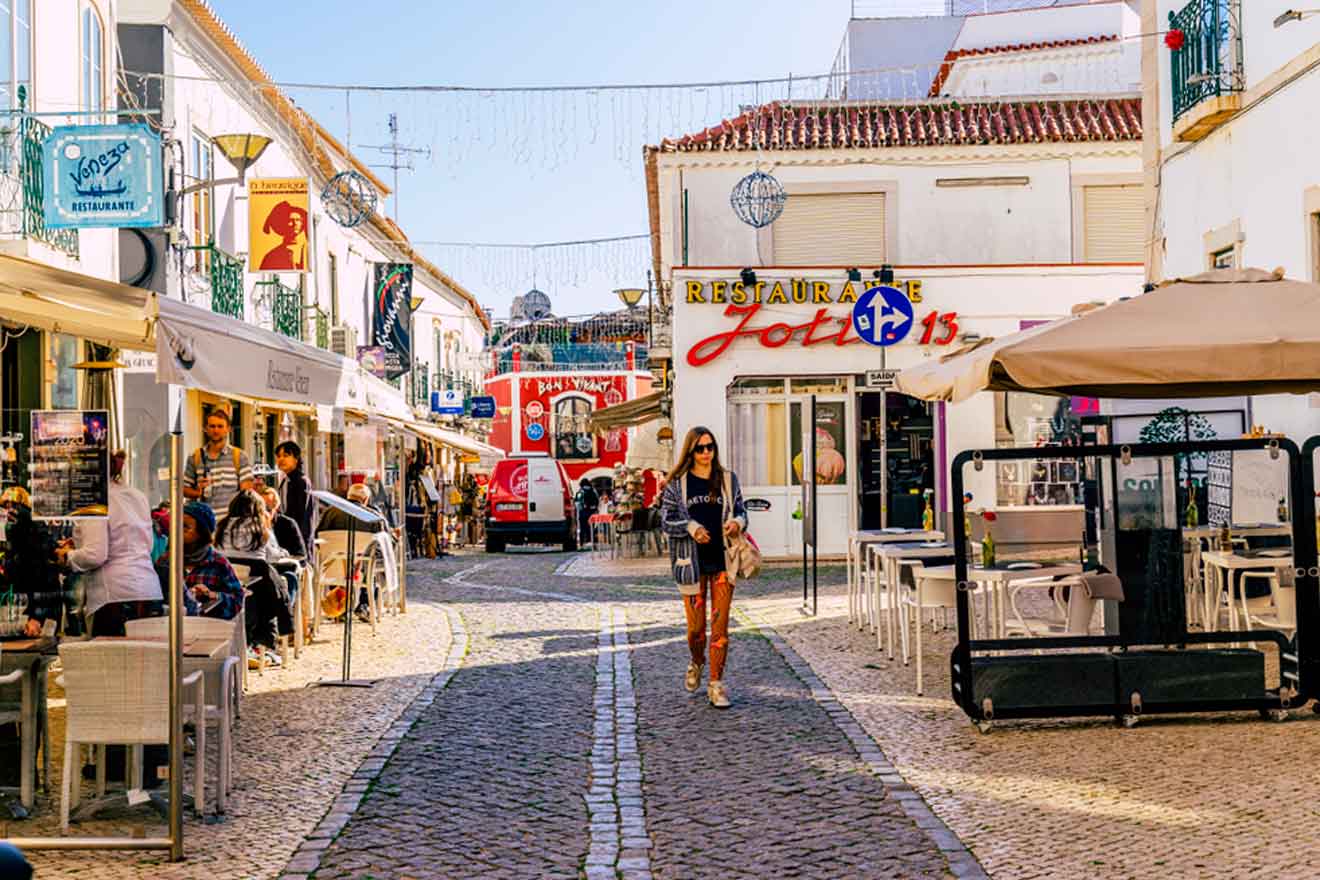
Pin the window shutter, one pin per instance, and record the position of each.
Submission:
(1114, 222)
(837, 229)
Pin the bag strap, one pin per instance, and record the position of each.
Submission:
(727, 497)
(238, 463)
(197, 458)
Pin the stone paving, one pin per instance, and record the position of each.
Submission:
(565, 745)
(1175, 797)
(296, 749)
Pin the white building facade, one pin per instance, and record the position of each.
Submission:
(987, 215)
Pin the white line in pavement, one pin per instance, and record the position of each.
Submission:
(620, 843)
(460, 579)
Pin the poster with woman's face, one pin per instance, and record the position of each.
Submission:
(831, 443)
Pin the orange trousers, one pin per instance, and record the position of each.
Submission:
(717, 592)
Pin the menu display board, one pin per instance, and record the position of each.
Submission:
(70, 464)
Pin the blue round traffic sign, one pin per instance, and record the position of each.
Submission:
(535, 431)
(882, 315)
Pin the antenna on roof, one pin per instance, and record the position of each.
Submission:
(401, 157)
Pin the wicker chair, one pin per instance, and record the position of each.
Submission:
(223, 684)
(118, 693)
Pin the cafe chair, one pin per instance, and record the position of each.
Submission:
(222, 684)
(921, 591)
(331, 566)
(117, 693)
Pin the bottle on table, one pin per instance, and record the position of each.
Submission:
(988, 548)
(1193, 514)
(1283, 509)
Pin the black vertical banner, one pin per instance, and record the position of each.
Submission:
(391, 314)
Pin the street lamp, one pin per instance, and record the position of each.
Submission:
(630, 296)
(242, 150)
(1293, 15)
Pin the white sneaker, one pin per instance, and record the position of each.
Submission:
(692, 680)
(718, 694)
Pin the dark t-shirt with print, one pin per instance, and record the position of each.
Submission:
(707, 510)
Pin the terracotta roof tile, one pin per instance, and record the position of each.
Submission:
(955, 55)
(935, 123)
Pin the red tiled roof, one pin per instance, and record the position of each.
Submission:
(947, 67)
(935, 123)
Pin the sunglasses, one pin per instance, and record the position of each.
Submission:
(704, 447)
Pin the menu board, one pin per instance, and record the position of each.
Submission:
(70, 466)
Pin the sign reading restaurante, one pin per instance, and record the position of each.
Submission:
(744, 304)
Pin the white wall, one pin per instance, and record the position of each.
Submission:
(934, 225)
(1249, 176)
(1111, 67)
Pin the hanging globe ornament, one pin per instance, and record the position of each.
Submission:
(349, 198)
(758, 199)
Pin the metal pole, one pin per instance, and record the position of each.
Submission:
(350, 600)
(176, 644)
(403, 527)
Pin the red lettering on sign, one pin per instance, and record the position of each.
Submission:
(779, 334)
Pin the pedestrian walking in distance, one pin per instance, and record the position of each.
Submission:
(702, 506)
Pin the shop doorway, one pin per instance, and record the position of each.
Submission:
(896, 452)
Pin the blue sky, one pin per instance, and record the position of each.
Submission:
(479, 190)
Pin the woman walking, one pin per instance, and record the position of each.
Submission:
(702, 506)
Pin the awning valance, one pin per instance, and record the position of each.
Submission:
(452, 439)
(61, 301)
(627, 414)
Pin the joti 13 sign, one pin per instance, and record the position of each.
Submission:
(102, 175)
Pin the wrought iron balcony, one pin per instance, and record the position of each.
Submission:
(321, 319)
(216, 280)
(22, 190)
(1209, 62)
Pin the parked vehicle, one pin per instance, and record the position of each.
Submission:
(530, 501)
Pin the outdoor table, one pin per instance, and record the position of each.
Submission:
(889, 555)
(997, 579)
(857, 611)
(1223, 566)
(602, 522)
(33, 655)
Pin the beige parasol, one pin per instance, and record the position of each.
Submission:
(1221, 333)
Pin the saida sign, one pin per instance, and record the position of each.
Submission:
(102, 176)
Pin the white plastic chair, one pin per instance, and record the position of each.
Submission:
(222, 684)
(929, 591)
(118, 693)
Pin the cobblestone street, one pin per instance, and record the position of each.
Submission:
(565, 746)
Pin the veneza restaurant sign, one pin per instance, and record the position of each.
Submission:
(753, 314)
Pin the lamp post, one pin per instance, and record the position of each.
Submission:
(242, 151)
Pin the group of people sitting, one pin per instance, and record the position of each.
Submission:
(121, 563)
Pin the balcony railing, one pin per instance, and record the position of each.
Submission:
(22, 190)
(221, 279)
(1209, 64)
(321, 326)
(284, 306)
(421, 384)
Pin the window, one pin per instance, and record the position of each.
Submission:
(15, 51)
(93, 54)
(573, 437)
(203, 215)
(1114, 220)
(758, 442)
(835, 229)
(1225, 258)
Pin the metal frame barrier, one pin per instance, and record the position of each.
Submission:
(1165, 663)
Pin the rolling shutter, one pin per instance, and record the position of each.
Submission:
(838, 229)
(1114, 220)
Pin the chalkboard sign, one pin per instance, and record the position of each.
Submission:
(70, 464)
(1219, 488)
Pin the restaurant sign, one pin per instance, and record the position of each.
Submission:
(102, 176)
(743, 303)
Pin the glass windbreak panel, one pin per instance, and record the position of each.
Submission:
(831, 441)
(758, 449)
(818, 385)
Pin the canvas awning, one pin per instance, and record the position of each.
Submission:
(1222, 333)
(627, 414)
(452, 439)
(195, 347)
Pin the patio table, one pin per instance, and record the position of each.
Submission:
(1223, 568)
(858, 611)
(33, 656)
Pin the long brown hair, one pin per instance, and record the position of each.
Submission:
(687, 454)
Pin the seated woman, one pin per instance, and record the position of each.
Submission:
(285, 529)
(243, 536)
(211, 589)
(29, 565)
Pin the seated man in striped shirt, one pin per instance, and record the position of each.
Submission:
(217, 471)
